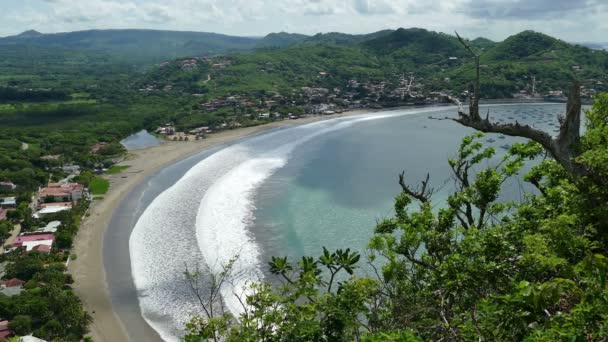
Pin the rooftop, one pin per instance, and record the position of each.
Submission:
(8, 200)
(34, 237)
(12, 283)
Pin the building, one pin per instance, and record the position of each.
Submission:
(8, 203)
(11, 287)
(51, 208)
(5, 332)
(3, 213)
(51, 227)
(61, 192)
(98, 147)
(8, 185)
(71, 169)
(32, 240)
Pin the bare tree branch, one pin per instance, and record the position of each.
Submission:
(562, 148)
(423, 194)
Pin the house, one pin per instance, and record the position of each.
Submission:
(11, 287)
(51, 157)
(51, 208)
(32, 240)
(8, 203)
(62, 192)
(98, 147)
(71, 169)
(30, 338)
(8, 185)
(51, 227)
(5, 332)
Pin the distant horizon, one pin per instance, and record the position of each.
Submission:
(494, 19)
(601, 43)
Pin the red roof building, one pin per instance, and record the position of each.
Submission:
(42, 248)
(5, 332)
(97, 147)
(66, 192)
(12, 283)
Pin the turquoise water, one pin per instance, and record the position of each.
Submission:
(335, 189)
(140, 140)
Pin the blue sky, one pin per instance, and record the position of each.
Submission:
(572, 20)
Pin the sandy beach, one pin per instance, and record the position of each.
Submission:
(88, 268)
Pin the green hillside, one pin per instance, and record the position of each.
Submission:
(142, 46)
(509, 66)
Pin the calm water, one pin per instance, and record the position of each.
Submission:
(140, 140)
(335, 189)
(287, 192)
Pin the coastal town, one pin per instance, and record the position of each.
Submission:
(237, 109)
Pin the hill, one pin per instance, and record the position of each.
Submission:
(337, 38)
(141, 46)
(281, 39)
(509, 66)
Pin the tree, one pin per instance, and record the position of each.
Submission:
(21, 325)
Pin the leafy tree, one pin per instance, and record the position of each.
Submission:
(21, 325)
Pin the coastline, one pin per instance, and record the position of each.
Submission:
(88, 268)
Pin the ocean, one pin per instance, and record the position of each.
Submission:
(286, 192)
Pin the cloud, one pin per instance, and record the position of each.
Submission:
(525, 9)
(370, 7)
(496, 19)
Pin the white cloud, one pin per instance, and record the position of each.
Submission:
(495, 19)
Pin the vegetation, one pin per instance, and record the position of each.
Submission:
(99, 186)
(114, 169)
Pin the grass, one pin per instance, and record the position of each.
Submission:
(114, 169)
(99, 186)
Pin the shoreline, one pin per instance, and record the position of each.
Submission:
(88, 269)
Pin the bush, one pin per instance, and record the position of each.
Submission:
(21, 325)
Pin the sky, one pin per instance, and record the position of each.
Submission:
(570, 20)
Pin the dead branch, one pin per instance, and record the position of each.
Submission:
(562, 148)
(423, 194)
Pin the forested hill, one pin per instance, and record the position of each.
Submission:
(144, 46)
(437, 61)
(152, 46)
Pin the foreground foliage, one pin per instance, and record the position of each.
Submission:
(475, 268)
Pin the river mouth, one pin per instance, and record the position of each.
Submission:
(252, 197)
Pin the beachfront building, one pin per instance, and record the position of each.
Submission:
(8, 203)
(51, 208)
(61, 192)
(35, 242)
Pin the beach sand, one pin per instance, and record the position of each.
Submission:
(88, 269)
